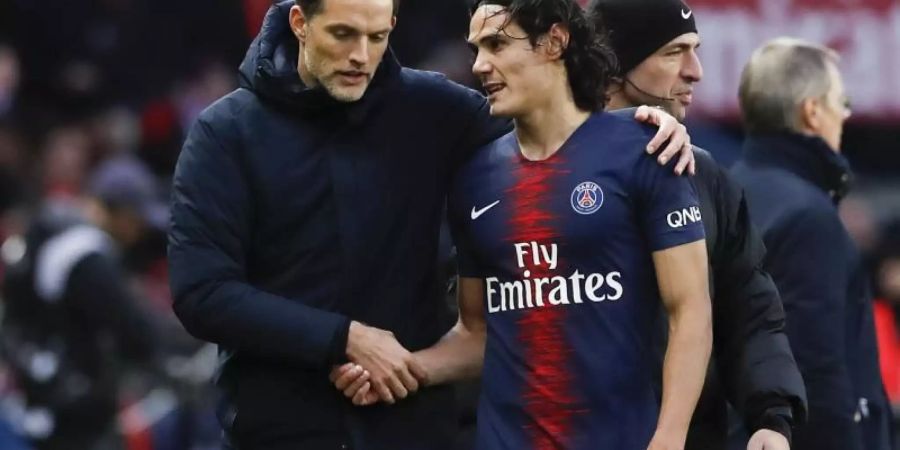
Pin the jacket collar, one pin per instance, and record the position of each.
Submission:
(805, 156)
(270, 70)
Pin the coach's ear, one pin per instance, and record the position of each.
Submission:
(298, 23)
(557, 41)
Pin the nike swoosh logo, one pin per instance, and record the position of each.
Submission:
(476, 213)
(686, 15)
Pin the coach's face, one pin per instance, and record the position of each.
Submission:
(668, 75)
(514, 74)
(342, 44)
(825, 116)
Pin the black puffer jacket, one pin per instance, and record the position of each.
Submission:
(294, 214)
(793, 185)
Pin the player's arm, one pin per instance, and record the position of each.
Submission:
(681, 273)
(458, 355)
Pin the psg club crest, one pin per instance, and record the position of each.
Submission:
(587, 198)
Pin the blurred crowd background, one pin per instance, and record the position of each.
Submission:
(93, 90)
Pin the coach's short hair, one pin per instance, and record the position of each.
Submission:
(312, 7)
(779, 76)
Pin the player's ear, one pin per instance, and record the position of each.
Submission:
(557, 41)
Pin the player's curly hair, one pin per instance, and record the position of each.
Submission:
(589, 59)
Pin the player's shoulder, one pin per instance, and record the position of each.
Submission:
(621, 141)
(489, 162)
(621, 127)
(500, 151)
(488, 165)
(619, 137)
(625, 140)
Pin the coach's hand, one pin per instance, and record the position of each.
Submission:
(393, 372)
(768, 440)
(669, 130)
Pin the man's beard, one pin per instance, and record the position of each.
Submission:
(330, 83)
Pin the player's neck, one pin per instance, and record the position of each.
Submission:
(544, 130)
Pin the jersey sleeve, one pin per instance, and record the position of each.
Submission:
(668, 205)
(457, 217)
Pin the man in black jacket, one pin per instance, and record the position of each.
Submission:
(794, 108)
(306, 211)
(655, 41)
(66, 301)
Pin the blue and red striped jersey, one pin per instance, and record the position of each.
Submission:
(565, 248)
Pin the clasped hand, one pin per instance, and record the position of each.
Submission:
(380, 369)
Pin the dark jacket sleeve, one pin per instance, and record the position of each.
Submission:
(212, 216)
(753, 356)
(812, 278)
(99, 291)
(478, 127)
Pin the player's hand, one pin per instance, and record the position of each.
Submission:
(353, 380)
(349, 378)
(365, 396)
(768, 440)
(669, 130)
(393, 372)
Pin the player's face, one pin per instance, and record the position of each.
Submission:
(514, 73)
(342, 44)
(668, 75)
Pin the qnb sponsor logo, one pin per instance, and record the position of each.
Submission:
(683, 217)
(556, 290)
